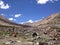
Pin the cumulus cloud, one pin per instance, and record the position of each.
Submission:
(3, 6)
(44, 1)
(18, 15)
(30, 21)
(11, 19)
(14, 17)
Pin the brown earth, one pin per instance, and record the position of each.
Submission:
(48, 31)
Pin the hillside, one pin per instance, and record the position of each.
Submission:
(46, 20)
(6, 22)
(47, 30)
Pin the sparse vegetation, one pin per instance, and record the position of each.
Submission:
(24, 33)
(4, 44)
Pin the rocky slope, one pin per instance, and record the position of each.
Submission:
(49, 19)
(48, 29)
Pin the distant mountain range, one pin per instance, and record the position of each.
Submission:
(49, 20)
(5, 22)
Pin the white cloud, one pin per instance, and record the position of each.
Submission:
(22, 22)
(3, 6)
(44, 1)
(30, 21)
(18, 15)
(11, 19)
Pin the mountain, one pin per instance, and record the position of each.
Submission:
(50, 26)
(6, 25)
(4, 21)
(47, 30)
(49, 19)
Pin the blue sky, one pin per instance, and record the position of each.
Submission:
(21, 11)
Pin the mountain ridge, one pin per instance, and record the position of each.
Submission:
(4, 21)
(45, 20)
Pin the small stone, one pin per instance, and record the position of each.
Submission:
(7, 43)
(18, 41)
